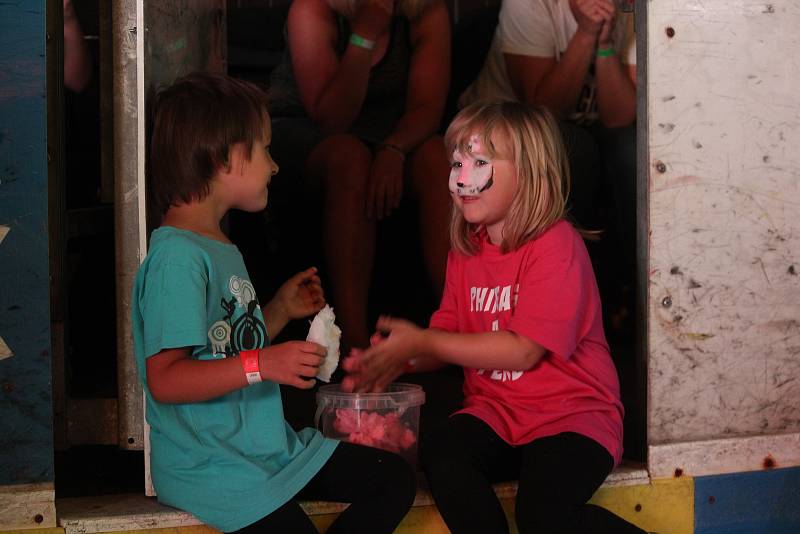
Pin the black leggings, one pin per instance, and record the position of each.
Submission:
(556, 474)
(379, 485)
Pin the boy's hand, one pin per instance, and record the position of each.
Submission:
(372, 369)
(293, 363)
(300, 296)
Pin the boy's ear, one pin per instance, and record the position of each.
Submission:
(236, 159)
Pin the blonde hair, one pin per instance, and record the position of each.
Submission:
(532, 136)
(410, 9)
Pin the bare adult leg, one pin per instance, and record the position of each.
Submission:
(342, 163)
(429, 171)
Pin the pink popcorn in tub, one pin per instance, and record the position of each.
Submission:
(374, 430)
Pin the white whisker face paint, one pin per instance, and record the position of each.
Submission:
(471, 172)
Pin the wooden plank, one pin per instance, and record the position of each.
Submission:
(730, 455)
(27, 506)
(135, 511)
(5, 350)
(724, 124)
(118, 513)
(92, 421)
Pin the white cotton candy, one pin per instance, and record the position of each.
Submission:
(325, 332)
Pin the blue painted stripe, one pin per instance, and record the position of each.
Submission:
(763, 502)
(26, 414)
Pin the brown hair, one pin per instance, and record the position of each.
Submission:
(197, 120)
(532, 135)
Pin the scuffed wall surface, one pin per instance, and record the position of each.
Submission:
(724, 179)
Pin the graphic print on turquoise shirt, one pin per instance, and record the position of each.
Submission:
(228, 337)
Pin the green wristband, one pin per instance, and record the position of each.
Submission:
(605, 52)
(362, 42)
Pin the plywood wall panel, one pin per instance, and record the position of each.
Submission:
(724, 307)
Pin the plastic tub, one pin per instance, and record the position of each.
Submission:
(388, 420)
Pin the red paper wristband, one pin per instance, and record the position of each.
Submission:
(250, 364)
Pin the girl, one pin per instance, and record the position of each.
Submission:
(521, 314)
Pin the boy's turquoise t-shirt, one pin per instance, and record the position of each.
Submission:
(232, 460)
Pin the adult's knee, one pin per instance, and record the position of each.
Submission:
(430, 152)
(342, 162)
(428, 166)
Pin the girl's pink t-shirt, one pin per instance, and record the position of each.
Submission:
(546, 291)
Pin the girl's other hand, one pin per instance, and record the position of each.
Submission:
(385, 187)
(372, 369)
(293, 363)
(373, 18)
(301, 295)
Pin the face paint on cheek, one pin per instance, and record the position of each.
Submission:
(490, 182)
(471, 181)
(455, 173)
(474, 175)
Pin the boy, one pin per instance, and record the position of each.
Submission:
(221, 448)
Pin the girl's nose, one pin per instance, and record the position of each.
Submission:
(463, 177)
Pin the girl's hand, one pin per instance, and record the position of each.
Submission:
(293, 363)
(372, 369)
(301, 295)
(385, 186)
(373, 18)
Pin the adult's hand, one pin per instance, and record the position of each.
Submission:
(606, 37)
(373, 18)
(385, 186)
(592, 14)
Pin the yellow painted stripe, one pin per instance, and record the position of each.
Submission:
(419, 520)
(665, 505)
